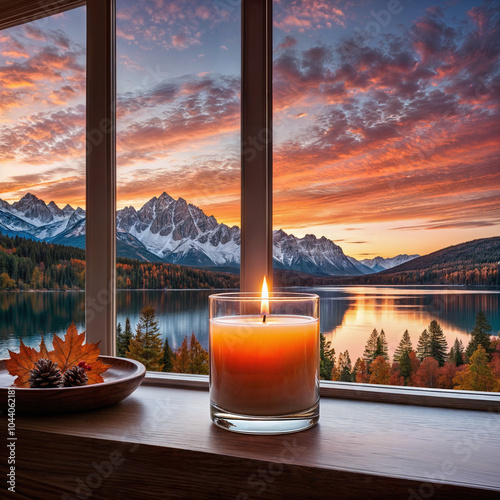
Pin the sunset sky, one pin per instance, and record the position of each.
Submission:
(387, 125)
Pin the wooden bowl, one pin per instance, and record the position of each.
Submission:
(121, 380)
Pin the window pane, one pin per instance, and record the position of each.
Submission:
(386, 121)
(42, 179)
(178, 83)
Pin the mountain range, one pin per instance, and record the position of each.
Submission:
(169, 230)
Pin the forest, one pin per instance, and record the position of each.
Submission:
(430, 363)
(33, 265)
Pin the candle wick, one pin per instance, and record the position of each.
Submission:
(264, 318)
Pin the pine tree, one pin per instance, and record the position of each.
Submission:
(345, 367)
(405, 364)
(423, 346)
(146, 345)
(404, 346)
(382, 347)
(181, 361)
(478, 375)
(198, 357)
(327, 358)
(119, 334)
(480, 335)
(456, 355)
(371, 347)
(438, 346)
(168, 358)
(123, 339)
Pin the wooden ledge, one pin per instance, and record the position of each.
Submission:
(160, 443)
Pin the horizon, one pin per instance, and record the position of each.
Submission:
(274, 230)
(402, 126)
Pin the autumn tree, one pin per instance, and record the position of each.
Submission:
(427, 374)
(168, 357)
(360, 372)
(478, 375)
(438, 346)
(327, 358)
(408, 365)
(181, 360)
(456, 355)
(480, 335)
(447, 374)
(380, 371)
(396, 376)
(495, 357)
(190, 358)
(123, 339)
(146, 345)
(423, 346)
(6, 283)
(198, 357)
(405, 345)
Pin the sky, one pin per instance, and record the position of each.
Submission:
(386, 115)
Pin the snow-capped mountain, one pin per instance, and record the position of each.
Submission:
(181, 233)
(32, 215)
(170, 230)
(311, 255)
(380, 264)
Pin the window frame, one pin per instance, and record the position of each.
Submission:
(256, 188)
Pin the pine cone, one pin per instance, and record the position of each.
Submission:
(75, 377)
(45, 375)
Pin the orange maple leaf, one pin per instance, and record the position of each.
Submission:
(70, 351)
(20, 365)
(67, 353)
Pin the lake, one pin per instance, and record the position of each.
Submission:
(348, 313)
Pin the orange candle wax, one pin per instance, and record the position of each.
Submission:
(264, 368)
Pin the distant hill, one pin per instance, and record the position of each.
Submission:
(471, 263)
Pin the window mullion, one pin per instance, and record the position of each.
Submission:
(100, 296)
(256, 144)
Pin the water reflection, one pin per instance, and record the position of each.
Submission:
(348, 314)
(399, 309)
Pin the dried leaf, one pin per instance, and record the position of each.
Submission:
(70, 351)
(44, 353)
(67, 353)
(94, 375)
(20, 365)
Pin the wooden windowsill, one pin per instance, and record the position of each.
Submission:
(160, 443)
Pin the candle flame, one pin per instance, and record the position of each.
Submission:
(264, 304)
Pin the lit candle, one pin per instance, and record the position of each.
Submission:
(266, 364)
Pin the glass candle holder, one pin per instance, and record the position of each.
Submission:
(264, 362)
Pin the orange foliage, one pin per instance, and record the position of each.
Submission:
(380, 370)
(447, 373)
(396, 377)
(427, 373)
(67, 353)
(362, 375)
